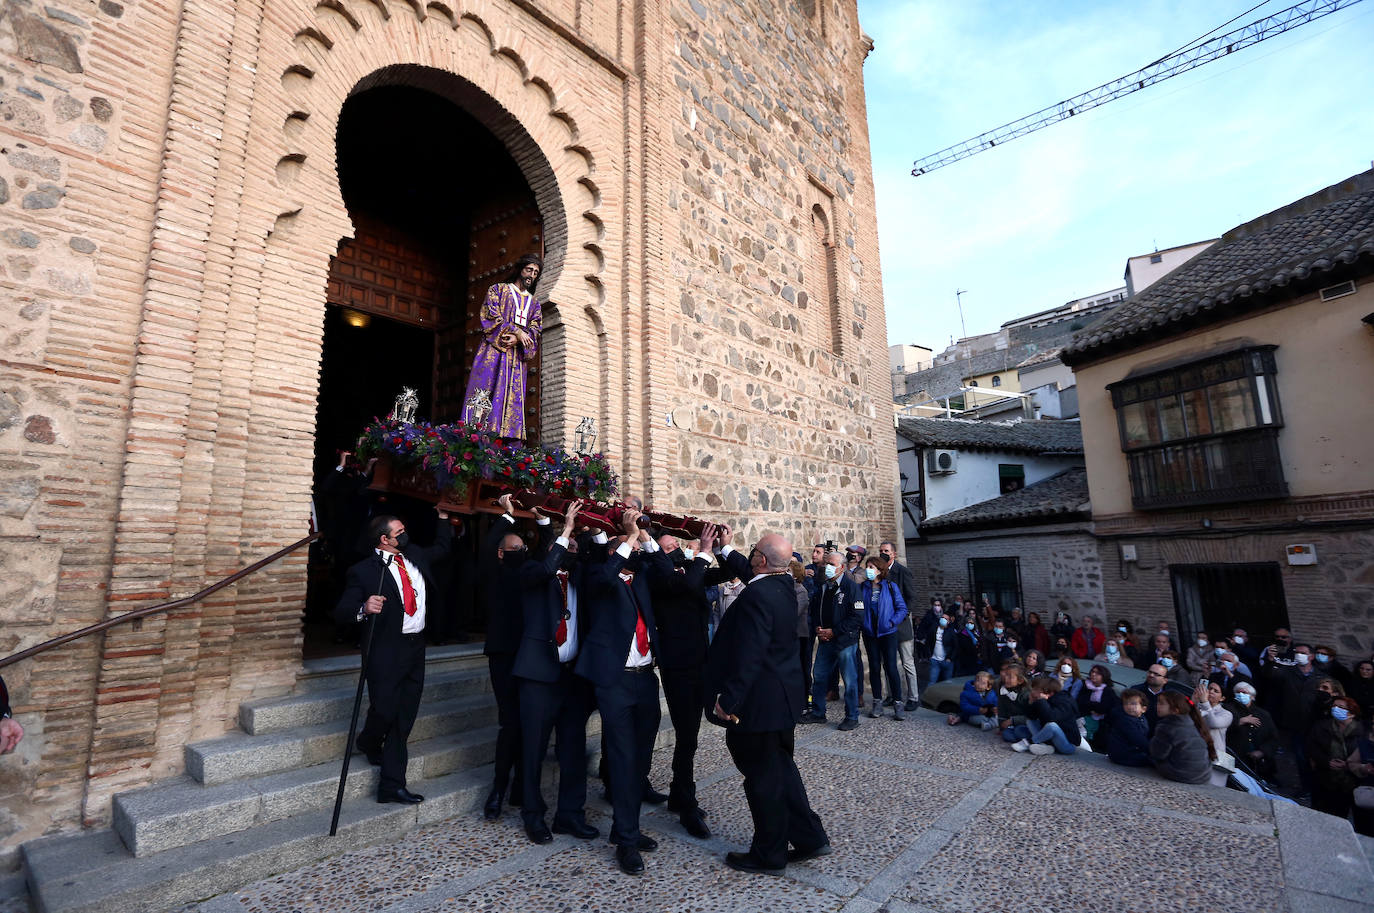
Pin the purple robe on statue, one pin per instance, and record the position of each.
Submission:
(497, 371)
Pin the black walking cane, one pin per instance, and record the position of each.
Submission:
(357, 703)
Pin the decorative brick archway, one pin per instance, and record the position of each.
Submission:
(222, 401)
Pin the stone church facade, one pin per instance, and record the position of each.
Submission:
(170, 208)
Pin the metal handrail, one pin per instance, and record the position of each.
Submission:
(159, 608)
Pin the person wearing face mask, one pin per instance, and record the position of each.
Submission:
(682, 612)
(551, 696)
(1198, 660)
(1174, 667)
(995, 650)
(1125, 636)
(1252, 736)
(968, 653)
(884, 609)
(836, 612)
(1111, 653)
(1330, 743)
(1227, 674)
(1062, 629)
(939, 636)
(393, 585)
(503, 554)
(1328, 663)
(1245, 650)
(905, 581)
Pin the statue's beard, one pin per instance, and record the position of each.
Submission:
(526, 283)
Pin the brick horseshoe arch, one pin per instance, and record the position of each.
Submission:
(349, 46)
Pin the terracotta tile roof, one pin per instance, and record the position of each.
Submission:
(1042, 436)
(1320, 240)
(1060, 498)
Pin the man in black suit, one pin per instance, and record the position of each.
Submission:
(617, 659)
(503, 554)
(551, 695)
(393, 586)
(754, 689)
(682, 612)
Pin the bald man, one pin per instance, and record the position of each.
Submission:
(754, 689)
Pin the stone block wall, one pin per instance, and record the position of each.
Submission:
(776, 411)
(168, 209)
(1060, 570)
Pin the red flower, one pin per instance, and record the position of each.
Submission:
(467, 454)
(473, 438)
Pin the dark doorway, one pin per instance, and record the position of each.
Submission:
(1218, 598)
(998, 580)
(440, 212)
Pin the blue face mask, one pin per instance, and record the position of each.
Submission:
(871, 573)
(998, 629)
(1323, 658)
(830, 572)
(1340, 714)
(1167, 663)
(944, 622)
(969, 625)
(1243, 698)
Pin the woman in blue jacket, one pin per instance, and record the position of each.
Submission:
(884, 610)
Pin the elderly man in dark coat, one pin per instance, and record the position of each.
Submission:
(754, 688)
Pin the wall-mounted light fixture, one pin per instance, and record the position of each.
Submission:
(357, 319)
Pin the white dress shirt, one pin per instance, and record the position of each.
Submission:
(635, 658)
(567, 651)
(410, 624)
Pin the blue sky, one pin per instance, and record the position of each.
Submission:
(1053, 216)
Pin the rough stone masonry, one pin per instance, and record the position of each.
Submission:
(168, 210)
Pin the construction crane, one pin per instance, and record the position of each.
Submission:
(1187, 58)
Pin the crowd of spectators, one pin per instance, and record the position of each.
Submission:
(1285, 710)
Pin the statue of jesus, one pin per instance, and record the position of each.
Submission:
(511, 322)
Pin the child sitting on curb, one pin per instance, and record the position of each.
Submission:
(1012, 699)
(977, 703)
(1128, 732)
(1052, 718)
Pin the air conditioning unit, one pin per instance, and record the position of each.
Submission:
(942, 462)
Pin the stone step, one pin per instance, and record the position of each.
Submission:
(342, 671)
(240, 756)
(183, 811)
(322, 705)
(95, 872)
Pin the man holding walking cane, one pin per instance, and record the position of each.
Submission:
(390, 588)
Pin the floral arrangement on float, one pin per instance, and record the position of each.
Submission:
(462, 468)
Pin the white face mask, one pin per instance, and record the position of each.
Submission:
(1238, 639)
(1121, 628)
(689, 553)
(1201, 642)
(1300, 658)
(1011, 644)
(1164, 631)
(1066, 670)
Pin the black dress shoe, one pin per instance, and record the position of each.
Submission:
(653, 796)
(644, 844)
(538, 833)
(802, 855)
(748, 862)
(402, 795)
(492, 810)
(579, 829)
(629, 860)
(693, 824)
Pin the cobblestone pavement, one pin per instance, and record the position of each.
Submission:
(924, 818)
